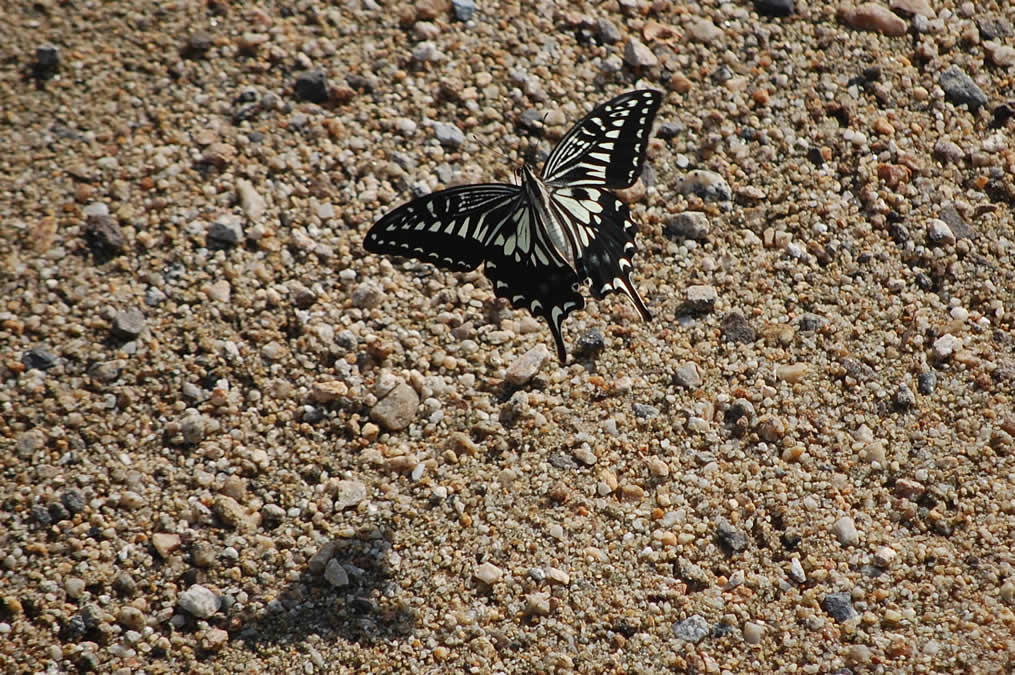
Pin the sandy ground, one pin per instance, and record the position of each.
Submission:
(233, 441)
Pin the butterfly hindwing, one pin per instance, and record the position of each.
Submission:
(607, 148)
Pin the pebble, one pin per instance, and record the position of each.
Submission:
(730, 538)
(335, 574)
(199, 602)
(397, 409)
(637, 55)
(311, 85)
(947, 151)
(904, 397)
(839, 606)
(687, 375)
(525, 367)
(464, 9)
(939, 233)
(945, 346)
(693, 629)
(349, 493)
(607, 31)
(427, 52)
(689, 225)
(590, 344)
(703, 30)
(793, 373)
(131, 618)
(165, 543)
(844, 530)
(39, 358)
(707, 185)
(700, 299)
(225, 232)
(251, 201)
(884, 557)
(319, 560)
(128, 324)
(448, 135)
(74, 587)
(960, 89)
(913, 8)
(537, 604)
(796, 571)
(774, 8)
(926, 382)
(1000, 55)
(489, 573)
(734, 327)
(873, 17)
(104, 236)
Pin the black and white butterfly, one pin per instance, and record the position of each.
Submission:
(541, 239)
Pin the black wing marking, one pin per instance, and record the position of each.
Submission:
(607, 148)
(448, 228)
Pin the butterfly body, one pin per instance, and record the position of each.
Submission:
(542, 239)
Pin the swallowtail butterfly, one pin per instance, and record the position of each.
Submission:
(541, 239)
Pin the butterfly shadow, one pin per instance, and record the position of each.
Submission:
(367, 610)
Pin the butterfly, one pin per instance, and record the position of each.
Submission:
(541, 239)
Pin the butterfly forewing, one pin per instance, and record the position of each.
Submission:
(448, 228)
(607, 148)
(540, 240)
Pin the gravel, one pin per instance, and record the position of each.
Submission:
(237, 443)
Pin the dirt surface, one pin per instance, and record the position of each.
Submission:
(233, 441)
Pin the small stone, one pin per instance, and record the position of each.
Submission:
(202, 554)
(537, 604)
(700, 299)
(703, 30)
(796, 571)
(235, 515)
(844, 530)
(590, 344)
(689, 225)
(753, 632)
(687, 375)
(104, 237)
(427, 52)
(251, 201)
(199, 602)
(556, 576)
(311, 85)
(792, 373)
(432, 9)
(873, 17)
(131, 618)
(349, 493)
(367, 295)
(74, 587)
(947, 151)
(47, 61)
(165, 543)
(945, 346)
(1001, 55)
(318, 562)
(39, 358)
(489, 573)
(607, 31)
(775, 8)
(128, 324)
(692, 629)
(225, 232)
(911, 8)
(884, 557)
(644, 411)
(397, 409)
(335, 574)
(198, 44)
(708, 185)
(734, 327)
(73, 500)
(909, 489)
(730, 538)
(839, 606)
(960, 89)
(448, 135)
(904, 398)
(939, 233)
(464, 9)
(524, 368)
(926, 382)
(637, 55)
(214, 640)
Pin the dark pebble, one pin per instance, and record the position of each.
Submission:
(993, 29)
(958, 225)
(57, 512)
(590, 344)
(644, 411)
(224, 233)
(74, 500)
(839, 606)
(40, 514)
(38, 358)
(197, 46)
(810, 323)
(926, 382)
(960, 89)
(47, 61)
(730, 538)
(720, 629)
(311, 85)
(103, 237)
(668, 130)
(773, 7)
(735, 328)
(124, 584)
(904, 398)
(607, 32)
(562, 461)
